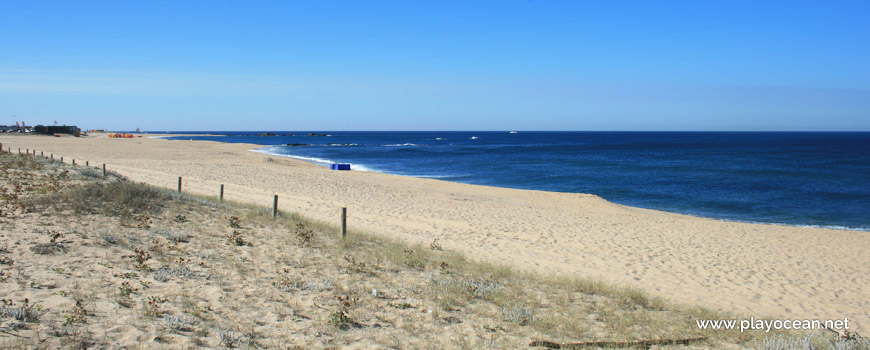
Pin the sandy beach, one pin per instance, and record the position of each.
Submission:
(762, 270)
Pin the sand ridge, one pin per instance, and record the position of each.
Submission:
(764, 270)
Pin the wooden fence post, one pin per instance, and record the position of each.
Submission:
(275, 207)
(343, 223)
(179, 184)
(104, 169)
(222, 192)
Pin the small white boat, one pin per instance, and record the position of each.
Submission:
(474, 137)
(513, 132)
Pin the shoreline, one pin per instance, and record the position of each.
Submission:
(764, 269)
(325, 163)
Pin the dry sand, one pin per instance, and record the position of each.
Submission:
(763, 270)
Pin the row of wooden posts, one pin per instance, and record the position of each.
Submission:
(51, 155)
(274, 201)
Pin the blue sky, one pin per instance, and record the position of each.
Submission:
(437, 65)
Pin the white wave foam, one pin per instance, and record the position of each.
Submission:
(272, 151)
(830, 227)
(360, 167)
(168, 136)
(435, 176)
(405, 145)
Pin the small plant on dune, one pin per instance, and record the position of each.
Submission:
(493, 329)
(181, 323)
(46, 248)
(435, 245)
(228, 337)
(142, 220)
(358, 266)
(6, 261)
(89, 173)
(124, 292)
(303, 235)
(521, 315)
(127, 275)
(13, 196)
(783, 342)
(180, 269)
(347, 301)
(54, 236)
(235, 222)
(25, 313)
(107, 238)
(126, 289)
(152, 306)
(479, 289)
(54, 182)
(139, 257)
(75, 315)
(237, 238)
(179, 237)
(53, 246)
(402, 305)
(414, 259)
(443, 267)
(181, 218)
(340, 320)
(8, 196)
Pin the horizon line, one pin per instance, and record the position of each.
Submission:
(504, 130)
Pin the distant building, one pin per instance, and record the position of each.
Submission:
(15, 128)
(57, 129)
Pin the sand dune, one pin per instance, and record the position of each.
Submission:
(763, 270)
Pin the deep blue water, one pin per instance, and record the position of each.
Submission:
(816, 179)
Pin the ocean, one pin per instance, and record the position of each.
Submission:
(792, 178)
